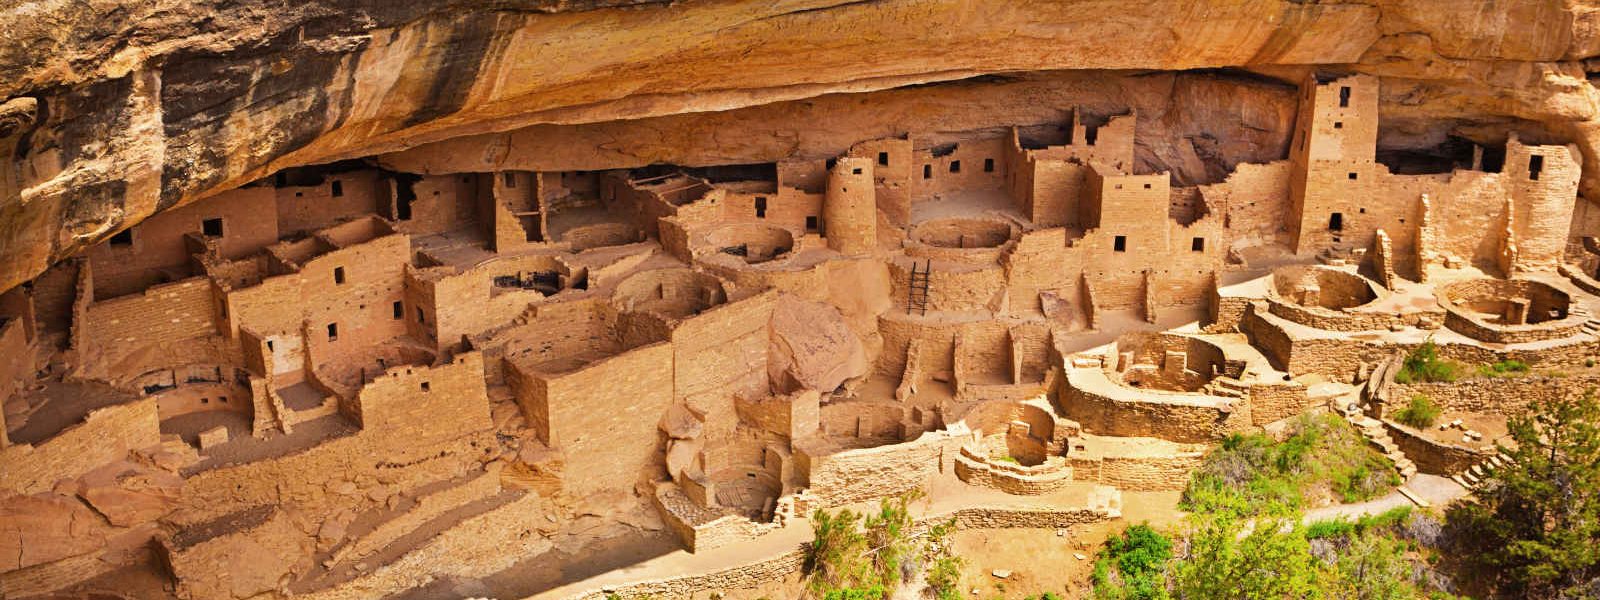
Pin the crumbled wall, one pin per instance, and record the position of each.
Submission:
(106, 435)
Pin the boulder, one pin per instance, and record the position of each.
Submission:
(128, 494)
(812, 347)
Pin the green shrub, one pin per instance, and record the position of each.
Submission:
(871, 592)
(1421, 413)
(1423, 365)
(1132, 565)
(1251, 475)
(1504, 368)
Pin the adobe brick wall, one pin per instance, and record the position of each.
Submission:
(602, 416)
(159, 316)
(850, 476)
(303, 209)
(1137, 473)
(207, 569)
(427, 404)
(248, 225)
(106, 435)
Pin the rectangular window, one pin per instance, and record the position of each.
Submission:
(1535, 166)
(399, 310)
(955, 166)
(811, 223)
(1344, 97)
(1147, 186)
(337, 188)
(1336, 222)
(883, 159)
(424, 386)
(1338, 124)
(421, 318)
(269, 345)
(828, 164)
(510, 179)
(988, 165)
(333, 331)
(1352, 176)
(927, 171)
(1198, 245)
(123, 238)
(338, 275)
(1120, 244)
(761, 207)
(211, 227)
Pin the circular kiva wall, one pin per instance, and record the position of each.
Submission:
(1326, 298)
(961, 238)
(670, 293)
(751, 242)
(1508, 310)
(1167, 362)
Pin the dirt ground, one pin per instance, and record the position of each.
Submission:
(1042, 561)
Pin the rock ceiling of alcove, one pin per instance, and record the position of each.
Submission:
(114, 111)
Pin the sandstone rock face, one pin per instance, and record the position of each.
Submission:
(812, 347)
(112, 111)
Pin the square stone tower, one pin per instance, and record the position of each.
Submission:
(1334, 147)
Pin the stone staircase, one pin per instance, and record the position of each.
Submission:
(1592, 327)
(1378, 437)
(1476, 474)
(1226, 387)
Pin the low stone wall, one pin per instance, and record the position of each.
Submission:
(1329, 319)
(858, 475)
(1106, 408)
(791, 562)
(1431, 456)
(1012, 479)
(1138, 474)
(1493, 395)
(107, 434)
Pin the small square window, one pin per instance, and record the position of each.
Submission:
(1147, 186)
(955, 166)
(510, 179)
(337, 188)
(811, 223)
(1338, 124)
(1198, 245)
(855, 171)
(424, 386)
(123, 238)
(1352, 176)
(988, 165)
(338, 275)
(399, 310)
(1120, 244)
(1344, 97)
(211, 227)
(1119, 186)
(883, 159)
(761, 207)
(333, 331)
(269, 346)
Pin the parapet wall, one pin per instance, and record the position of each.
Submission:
(852, 476)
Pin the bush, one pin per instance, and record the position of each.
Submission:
(1504, 368)
(1250, 475)
(1138, 557)
(1421, 413)
(1423, 365)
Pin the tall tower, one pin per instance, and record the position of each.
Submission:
(1334, 146)
(849, 209)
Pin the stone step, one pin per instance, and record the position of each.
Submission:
(1460, 481)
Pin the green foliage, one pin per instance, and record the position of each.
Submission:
(866, 557)
(1252, 475)
(1373, 567)
(1423, 365)
(1133, 565)
(871, 592)
(1504, 368)
(1336, 528)
(1272, 560)
(1534, 529)
(1421, 413)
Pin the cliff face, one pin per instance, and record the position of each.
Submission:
(115, 110)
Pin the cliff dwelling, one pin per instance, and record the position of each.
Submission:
(382, 329)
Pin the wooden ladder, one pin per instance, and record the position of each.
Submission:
(917, 293)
